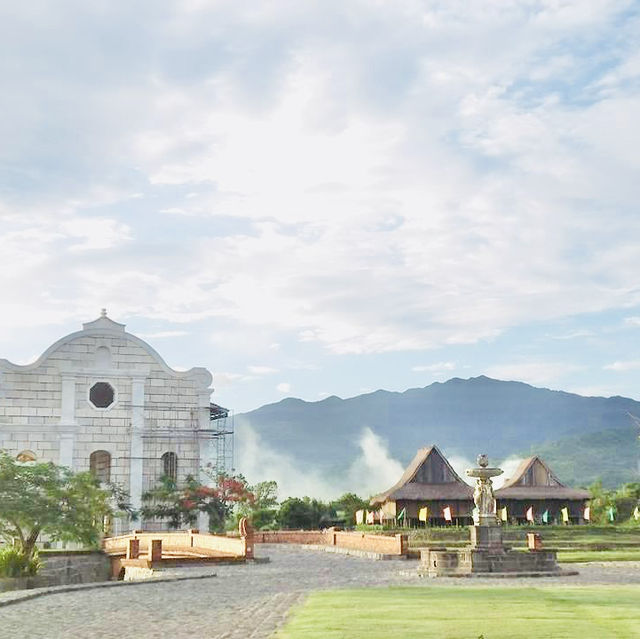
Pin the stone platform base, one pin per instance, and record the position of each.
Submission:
(442, 562)
(504, 575)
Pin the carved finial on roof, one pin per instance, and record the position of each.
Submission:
(103, 312)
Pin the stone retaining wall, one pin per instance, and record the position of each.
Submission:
(62, 568)
(315, 537)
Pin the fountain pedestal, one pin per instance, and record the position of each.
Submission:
(487, 538)
(487, 555)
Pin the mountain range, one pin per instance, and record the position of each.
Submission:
(582, 438)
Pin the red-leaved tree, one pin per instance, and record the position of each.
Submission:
(180, 505)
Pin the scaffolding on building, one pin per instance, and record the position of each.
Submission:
(220, 432)
(221, 420)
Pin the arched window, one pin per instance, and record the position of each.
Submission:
(26, 456)
(100, 465)
(170, 465)
(103, 357)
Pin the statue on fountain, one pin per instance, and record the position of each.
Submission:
(485, 512)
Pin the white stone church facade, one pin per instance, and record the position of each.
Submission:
(102, 399)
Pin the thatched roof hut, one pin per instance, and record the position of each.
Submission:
(429, 480)
(534, 485)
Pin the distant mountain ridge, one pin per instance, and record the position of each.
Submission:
(457, 415)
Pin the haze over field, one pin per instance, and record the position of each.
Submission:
(328, 197)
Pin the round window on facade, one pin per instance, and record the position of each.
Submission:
(102, 395)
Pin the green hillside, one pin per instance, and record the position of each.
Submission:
(610, 455)
(583, 438)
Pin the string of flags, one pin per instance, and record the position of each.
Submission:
(369, 516)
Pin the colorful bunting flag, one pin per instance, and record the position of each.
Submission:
(359, 516)
(565, 515)
(545, 517)
(587, 513)
(503, 514)
(423, 514)
(447, 513)
(530, 513)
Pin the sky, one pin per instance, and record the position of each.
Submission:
(316, 198)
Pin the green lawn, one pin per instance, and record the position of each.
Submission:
(467, 612)
(581, 556)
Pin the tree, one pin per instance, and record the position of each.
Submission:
(42, 498)
(304, 513)
(182, 504)
(262, 511)
(266, 494)
(349, 504)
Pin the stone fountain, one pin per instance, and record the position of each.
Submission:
(487, 555)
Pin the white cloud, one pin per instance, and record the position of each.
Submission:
(599, 390)
(535, 373)
(259, 462)
(573, 334)
(224, 379)
(622, 366)
(393, 183)
(460, 465)
(261, 370)
(374, 470)
(438, 367)
(284, 387)
(162, 334)
(509, 466)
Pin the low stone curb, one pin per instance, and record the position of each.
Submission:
(17, 596)
(496, 575)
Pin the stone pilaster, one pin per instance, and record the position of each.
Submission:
(137, 445)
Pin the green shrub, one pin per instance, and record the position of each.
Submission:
(14, 563)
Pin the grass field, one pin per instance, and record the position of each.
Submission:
(546, 612)
(581, 556)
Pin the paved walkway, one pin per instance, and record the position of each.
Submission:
(242, 602)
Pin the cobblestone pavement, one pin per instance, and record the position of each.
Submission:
(242, 602)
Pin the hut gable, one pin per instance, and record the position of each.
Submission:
(533, 472)
(435, 469)
(534, 479)
(428, 476)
